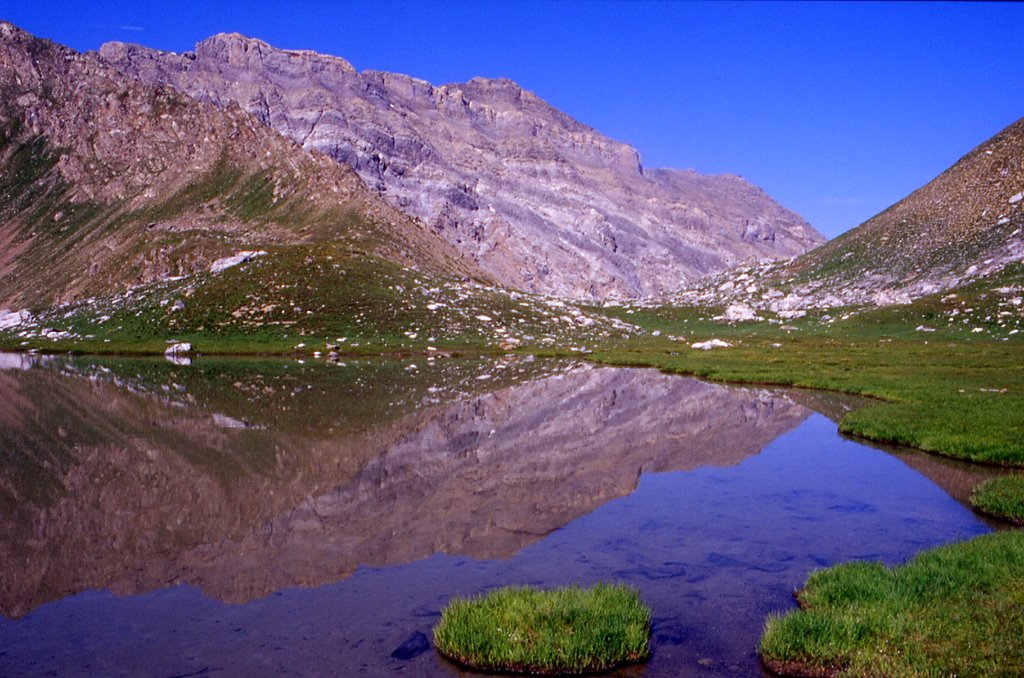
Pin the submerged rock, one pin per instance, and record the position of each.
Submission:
(414, 645)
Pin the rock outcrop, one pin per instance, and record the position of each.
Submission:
(542, 202)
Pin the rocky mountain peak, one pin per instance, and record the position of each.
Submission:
(242, 52)
(541, 201)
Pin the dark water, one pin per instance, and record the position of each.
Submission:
(272, 518)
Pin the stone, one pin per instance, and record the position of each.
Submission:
(413, 646)
(890, 298)
(9, 319)
(738, 312)
(710, 344)
(177, 348)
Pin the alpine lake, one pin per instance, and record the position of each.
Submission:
(279, 517)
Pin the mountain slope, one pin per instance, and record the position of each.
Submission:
(106, 182)
(967, 222)
(541, 201)
(964, 227)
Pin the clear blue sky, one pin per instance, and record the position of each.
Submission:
(837, 110)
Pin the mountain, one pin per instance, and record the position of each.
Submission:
(965, 223)
(542, 202)
(963, 227)
(107, 182)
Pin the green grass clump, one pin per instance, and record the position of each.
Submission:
(954, 610)
(566, 630)
(1002, 497)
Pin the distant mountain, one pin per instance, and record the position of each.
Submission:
(542, 202)
(107, 182)
(967, 222)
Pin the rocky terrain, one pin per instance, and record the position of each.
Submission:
(107, 182)
(538, 200)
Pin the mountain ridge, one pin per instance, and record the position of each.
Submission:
(541, 201)
(106, 182)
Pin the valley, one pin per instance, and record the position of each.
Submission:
(282, 209)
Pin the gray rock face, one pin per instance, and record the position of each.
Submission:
(541, 201)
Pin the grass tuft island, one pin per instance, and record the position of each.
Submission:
(520, 629)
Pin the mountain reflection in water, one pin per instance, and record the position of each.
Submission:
(245, 477)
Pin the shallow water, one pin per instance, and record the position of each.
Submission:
(267, 517)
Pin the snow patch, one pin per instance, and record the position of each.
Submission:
(240, 258)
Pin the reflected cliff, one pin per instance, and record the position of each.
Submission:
(244, 477)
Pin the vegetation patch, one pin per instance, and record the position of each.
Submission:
(559, 631)
(1001, 497)
(954, 610)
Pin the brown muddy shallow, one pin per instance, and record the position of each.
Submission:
(253, 518)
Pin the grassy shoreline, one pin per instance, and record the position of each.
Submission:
(962, 401)
(953, 610)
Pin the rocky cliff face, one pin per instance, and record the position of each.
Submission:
(106, 181)
(541, 201)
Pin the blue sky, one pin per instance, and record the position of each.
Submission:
(836, 109)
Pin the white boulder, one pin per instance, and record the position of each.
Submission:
(710, 344)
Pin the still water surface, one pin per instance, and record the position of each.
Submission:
(239, 517)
